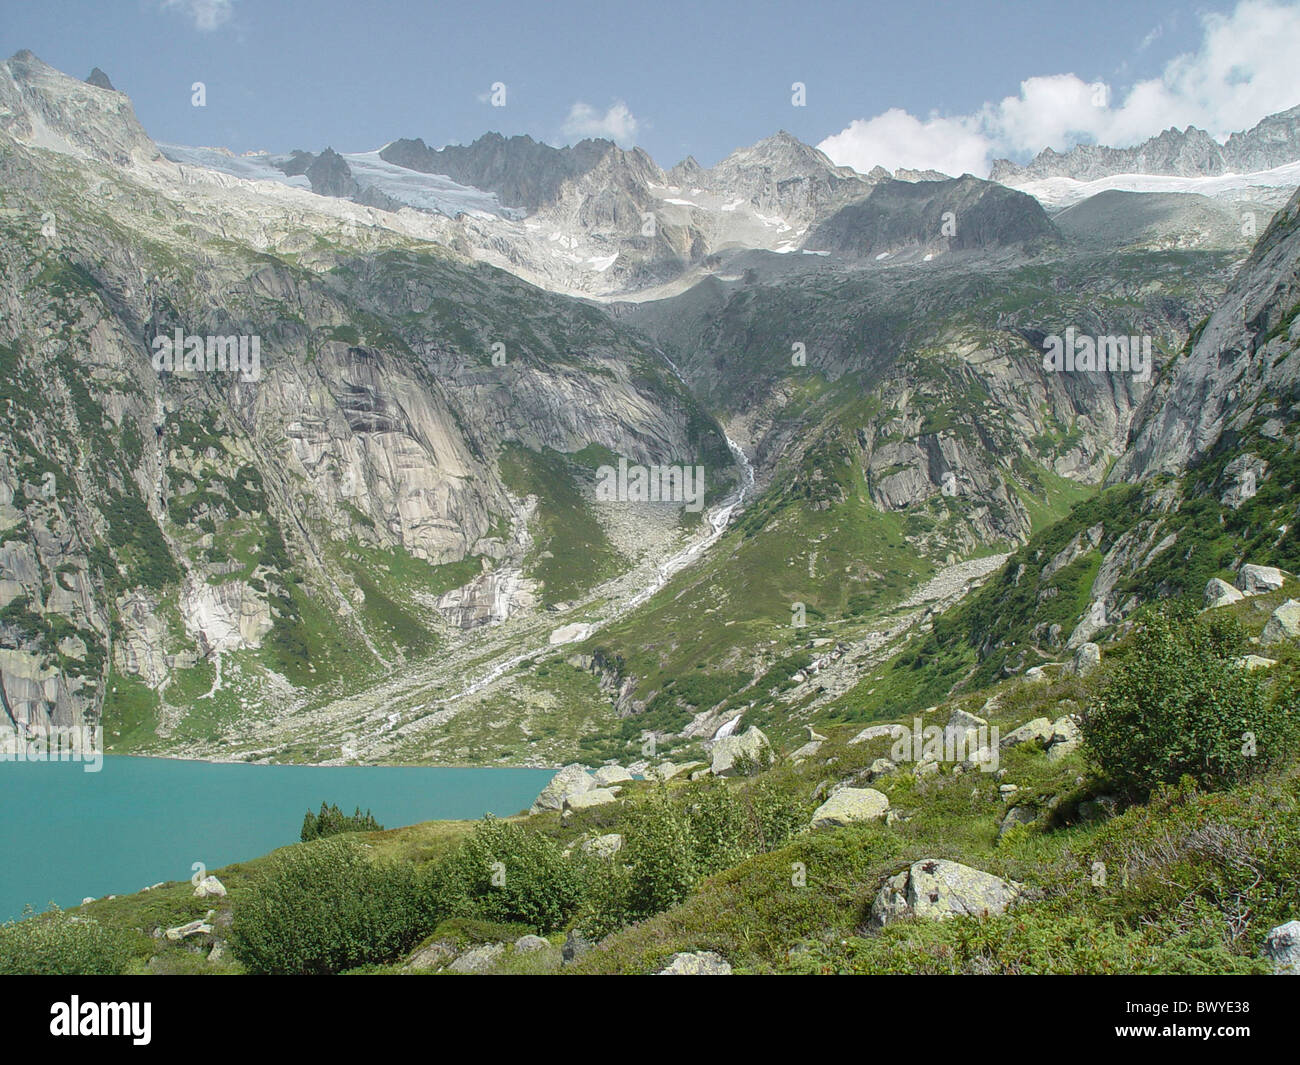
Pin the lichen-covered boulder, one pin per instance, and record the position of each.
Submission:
(851, 806)
(935, 889)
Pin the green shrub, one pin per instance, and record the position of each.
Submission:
(508, 874)
(1179, 705)
(63, 944)
(324, 907)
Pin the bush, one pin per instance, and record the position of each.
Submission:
(1179, 705)
(670, 844)
(324, 907)
(508, 874)
(61, 944)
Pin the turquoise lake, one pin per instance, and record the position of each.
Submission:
(66, 834)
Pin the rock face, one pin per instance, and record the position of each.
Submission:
(1282, 948)
(570, 782)
(732, 753)
(1282, 625)
(699, 963)
(850, 806)
(901, 215)
(934, 889)
(198, 513)
(1085, 661)
(1234, 366)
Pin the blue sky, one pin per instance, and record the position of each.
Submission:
(915, 82)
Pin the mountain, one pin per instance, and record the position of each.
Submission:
(404, 449)
(857, 362)
(1190, 152)
(955, 214)
(521, 171)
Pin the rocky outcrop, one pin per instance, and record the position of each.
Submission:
(570, 782)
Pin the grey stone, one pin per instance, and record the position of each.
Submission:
(935, 889)
(699, 963)
(850, 806)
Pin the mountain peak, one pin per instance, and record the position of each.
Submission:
(100, 80)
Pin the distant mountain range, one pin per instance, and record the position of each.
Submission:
(1190, 152)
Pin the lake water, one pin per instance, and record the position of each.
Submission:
(66, 834)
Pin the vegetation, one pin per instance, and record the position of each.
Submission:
(330, 821)
(324, 907)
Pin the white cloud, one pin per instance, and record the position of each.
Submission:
(1242, 70)
(208, 15)
(617, 124)
(896, 138)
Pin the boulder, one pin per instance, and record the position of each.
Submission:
(210, 888)
(700, 963)
(530, 944)
(1284, 624)
(1017, 815)
(185, 931)
(879, 768)
(1086, 659)
(1249, 662)
(575, 945)
(875, 732)
(1065, 739)
(668, 770)
(1256, 580)
(585, 800)
(935, 889)
(610, 774)
(1282, 948)
(1039, 731)
(850, 806)
(1220, 593)
(569, 781)
(806, 751)
(1036, 675)
(478, 958)
(732, 752)
(605, 846)
(431, 956)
